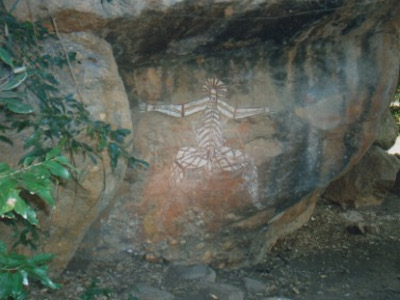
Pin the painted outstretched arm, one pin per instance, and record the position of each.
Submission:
(176, 110)
(238, 113)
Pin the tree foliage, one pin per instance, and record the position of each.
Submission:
(16, 270)
(35, 176)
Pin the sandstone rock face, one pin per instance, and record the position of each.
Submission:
(101, 89)
(245, 112)
(287, 120)
(321, 114)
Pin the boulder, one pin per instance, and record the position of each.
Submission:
(388, 131)
(368, 183)
(101, 89)
(371, 179)
(80, 201)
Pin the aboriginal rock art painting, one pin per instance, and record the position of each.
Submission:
(210, 153)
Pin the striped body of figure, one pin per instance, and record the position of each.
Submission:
(210, 153)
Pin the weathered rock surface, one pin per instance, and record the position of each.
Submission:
(368, 182)
(388, 131)
(320, 76)
(101, 89)
(178, 18)
(270, 168)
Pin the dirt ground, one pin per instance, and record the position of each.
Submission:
(338, 254)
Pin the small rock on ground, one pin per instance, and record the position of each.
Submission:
(201, 273)
(253, 285)
(222, 291)
(145, 292)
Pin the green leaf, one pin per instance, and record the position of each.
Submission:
(32, 140)
(123, 131)
(36, 153)
(6, 140)
(37, 185)
(6, 57)
(86, 147)
(13, 260)
(132, 161)
(102, 143)
(63, 160)
(41, 274)
(53, 153)
(5, 280)
(14, 81)
(25, 211)
(4, 167)
(46, 196)
(41, 173)
(119, 134)
(11, 286)
(9, 100)
(40, 259)
(57, 169)
(20, 108)
(113, 152)
(93, 158)
(16, 105)
(3, 247)
(18, 291)
(10, 95)
(8, 195)
(28, 236)
(28, 160)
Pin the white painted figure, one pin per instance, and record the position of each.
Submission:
(210, 153)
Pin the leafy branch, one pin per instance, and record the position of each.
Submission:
(35, 179)
(16, 271)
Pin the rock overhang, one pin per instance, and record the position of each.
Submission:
(221, 27)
